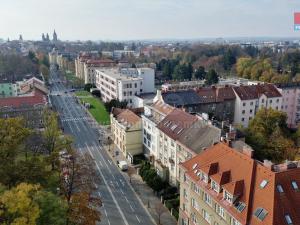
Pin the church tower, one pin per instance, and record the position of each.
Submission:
(55, 37)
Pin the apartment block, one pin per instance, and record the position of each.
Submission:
(124, 84)
(249, 99)
(126, 129)
(223, 186)
(290, 102)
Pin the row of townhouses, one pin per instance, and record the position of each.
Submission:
(237, 104)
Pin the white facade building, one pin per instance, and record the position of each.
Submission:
(249, 99)
(124, 84)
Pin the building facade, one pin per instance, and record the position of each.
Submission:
(124, 84)
(126, 129)
(249, 99)
(222, 186)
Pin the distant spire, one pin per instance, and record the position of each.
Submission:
(20, 37)
(47, 37)
(43, 37)
(55, 37)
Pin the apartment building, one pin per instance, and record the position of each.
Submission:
(81, 59)
(123, 84)
(249, 99)
(153, 115)
(290, 102)
(222, 186)
(126, 129)
(90, 66)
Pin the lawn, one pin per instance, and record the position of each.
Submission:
(97, 107)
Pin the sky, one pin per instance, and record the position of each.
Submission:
(147, 19)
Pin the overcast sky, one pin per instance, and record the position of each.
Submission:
(147, 19)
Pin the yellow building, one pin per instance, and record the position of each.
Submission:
(126, 128)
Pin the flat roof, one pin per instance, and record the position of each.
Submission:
(115, 73)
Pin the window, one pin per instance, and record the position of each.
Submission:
(244, 103)
(204, 177)
(184, 193)
(239, 206)
(243, 112)
(195, 204)
(251, 103)
(277, 100)
(251, 110)
(206, 216)
(279, 188)
(263, 184)
(235, 222)
(243, 119)
(288, 219)
(207, 199)
(194, 219)
(215, 186)
(227, 196)
(271, 101)
(295, 185)
(260, 213)
(220, 211)
(262, 100)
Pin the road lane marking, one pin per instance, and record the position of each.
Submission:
(131, 208)
(109, 189)
(138, 218)
(126, 199)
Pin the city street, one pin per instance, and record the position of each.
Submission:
(120, 203)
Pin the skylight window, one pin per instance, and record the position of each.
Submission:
(288, 219)
(173, 127)
(263, 184)
(179, 130)
(240, 206)
(279, 188)
(260, 213)
(196, 171)
(295, 185)
(195, 165)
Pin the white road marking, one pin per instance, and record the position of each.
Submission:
(126, 199)
(138, 218)
(110, 191)
(131, 208)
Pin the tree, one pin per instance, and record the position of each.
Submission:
(182, 72)
(53, 210)
(116, 104)
(12, 135)
(211, 77)
(87, 87)
(200, 73)
(54, 139)
(78, 179)
(269, 136)
(18, 206)
(229, 59)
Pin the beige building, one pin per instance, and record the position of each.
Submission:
(126, 129)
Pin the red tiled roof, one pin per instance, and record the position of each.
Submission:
(255, 91)
(128, 117)
(215, 94)
(246, 176)
(16, 102)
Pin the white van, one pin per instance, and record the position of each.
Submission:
(123, 165)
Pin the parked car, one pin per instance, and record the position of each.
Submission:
(122, 165)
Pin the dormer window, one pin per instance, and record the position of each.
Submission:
(215, 186)
(228, 197)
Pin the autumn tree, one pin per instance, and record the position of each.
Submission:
(78, 179)
(54, 139)
(270, 137)
(159, 210)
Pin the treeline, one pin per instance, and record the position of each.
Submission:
(42, 179)
(15, 66)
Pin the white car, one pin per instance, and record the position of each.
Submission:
(123, 165)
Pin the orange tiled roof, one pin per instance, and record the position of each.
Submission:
(252, 182)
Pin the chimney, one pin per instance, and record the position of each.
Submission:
(268, 164)
(247, 150)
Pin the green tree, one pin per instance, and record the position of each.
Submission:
(229, 59)
(269, 136)
(211, 77)
(182, 72)
(200, 73)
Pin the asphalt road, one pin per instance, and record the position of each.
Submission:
(120, 204)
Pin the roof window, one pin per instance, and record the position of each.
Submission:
(288, 219)
(263, 184)
(260, 213)
(195, 165)
(295, 185)
(279, 188)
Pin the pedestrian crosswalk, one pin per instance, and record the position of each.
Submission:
(74, 119)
